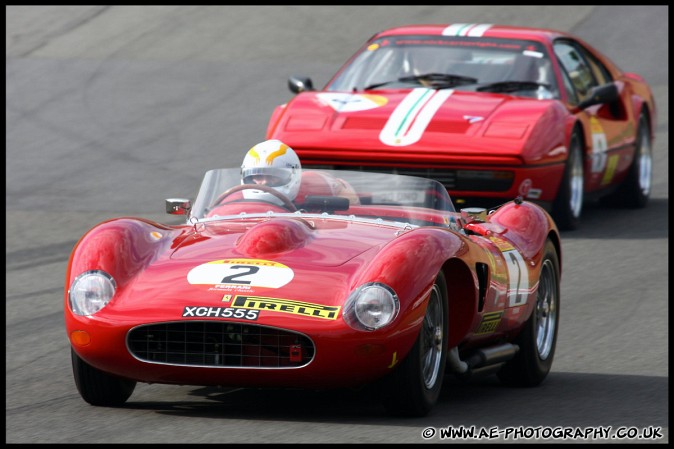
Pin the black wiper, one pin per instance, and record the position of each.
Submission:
(384, 83)
(436, 80)
(511, 86)
(441, 78)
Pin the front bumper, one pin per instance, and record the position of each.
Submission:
(237, 354)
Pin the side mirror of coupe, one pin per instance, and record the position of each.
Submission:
(606, 93)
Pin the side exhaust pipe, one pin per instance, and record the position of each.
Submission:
(491, 356)
(482, 361)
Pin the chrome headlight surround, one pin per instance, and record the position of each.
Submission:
(371, 306)
(90, 292)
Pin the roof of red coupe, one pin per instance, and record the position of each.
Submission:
(476, 29)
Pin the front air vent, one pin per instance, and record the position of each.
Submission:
(220, 344)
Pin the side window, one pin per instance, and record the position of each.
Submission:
(576, 67)
(600, 72)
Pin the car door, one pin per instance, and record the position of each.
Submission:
(609, 128)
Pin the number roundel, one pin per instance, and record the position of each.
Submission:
(518, 274)
(239, 272)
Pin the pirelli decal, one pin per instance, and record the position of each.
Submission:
(466, 29)
(489, 323)
(286, 306)
(411, 117)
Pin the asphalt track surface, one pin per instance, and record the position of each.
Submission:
(112, 109)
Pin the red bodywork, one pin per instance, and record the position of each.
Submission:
(523, 139)
(328, 258)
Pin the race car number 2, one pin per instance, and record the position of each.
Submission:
(241, 272)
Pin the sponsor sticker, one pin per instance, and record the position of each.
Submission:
(610, 169)
(286, 306)
(534, 194)
(342, 102)
(240, 273)
(489, 323)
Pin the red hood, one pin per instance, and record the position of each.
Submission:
(418, 121)
(288, 258)
(321, 243)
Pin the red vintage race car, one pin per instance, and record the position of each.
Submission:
(490, 111)
(365, 279)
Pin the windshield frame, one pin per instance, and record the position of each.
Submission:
(398, 200)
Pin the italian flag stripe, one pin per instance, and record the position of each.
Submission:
(411, 117)
(466, 29)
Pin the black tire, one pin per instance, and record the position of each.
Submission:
(568, 205)
(538, 338)
(635, 190)
(99, 388)
(413, 388)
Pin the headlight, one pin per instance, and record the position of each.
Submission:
(371, 306)
(91, 291)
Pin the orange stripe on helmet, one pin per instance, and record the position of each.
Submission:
(280, 152)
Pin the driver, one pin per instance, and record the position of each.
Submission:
(273, 164)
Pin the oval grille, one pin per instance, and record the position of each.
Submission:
(220, 344)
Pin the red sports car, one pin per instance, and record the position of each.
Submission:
(492, 112)
(363, 279)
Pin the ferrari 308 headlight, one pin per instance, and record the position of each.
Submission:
(91, 291)
(371, 306)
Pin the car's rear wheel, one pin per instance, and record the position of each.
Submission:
(100, 388)
(538, 338)
(413, 388)
(635, 190)
(568, 204)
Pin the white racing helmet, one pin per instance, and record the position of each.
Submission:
(274, 164)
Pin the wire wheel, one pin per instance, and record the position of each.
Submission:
(546, 311)
(432, 335)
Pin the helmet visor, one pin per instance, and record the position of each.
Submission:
(269, 176)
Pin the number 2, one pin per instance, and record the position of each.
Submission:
(234, 278)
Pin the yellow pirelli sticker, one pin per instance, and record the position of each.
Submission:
(489, 323)
(286, 306)
(610, 169)
(257, 262)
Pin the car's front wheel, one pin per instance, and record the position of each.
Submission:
(538, 338)
(413, 388)
(100, 388)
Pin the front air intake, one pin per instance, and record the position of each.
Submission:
(219, 344)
